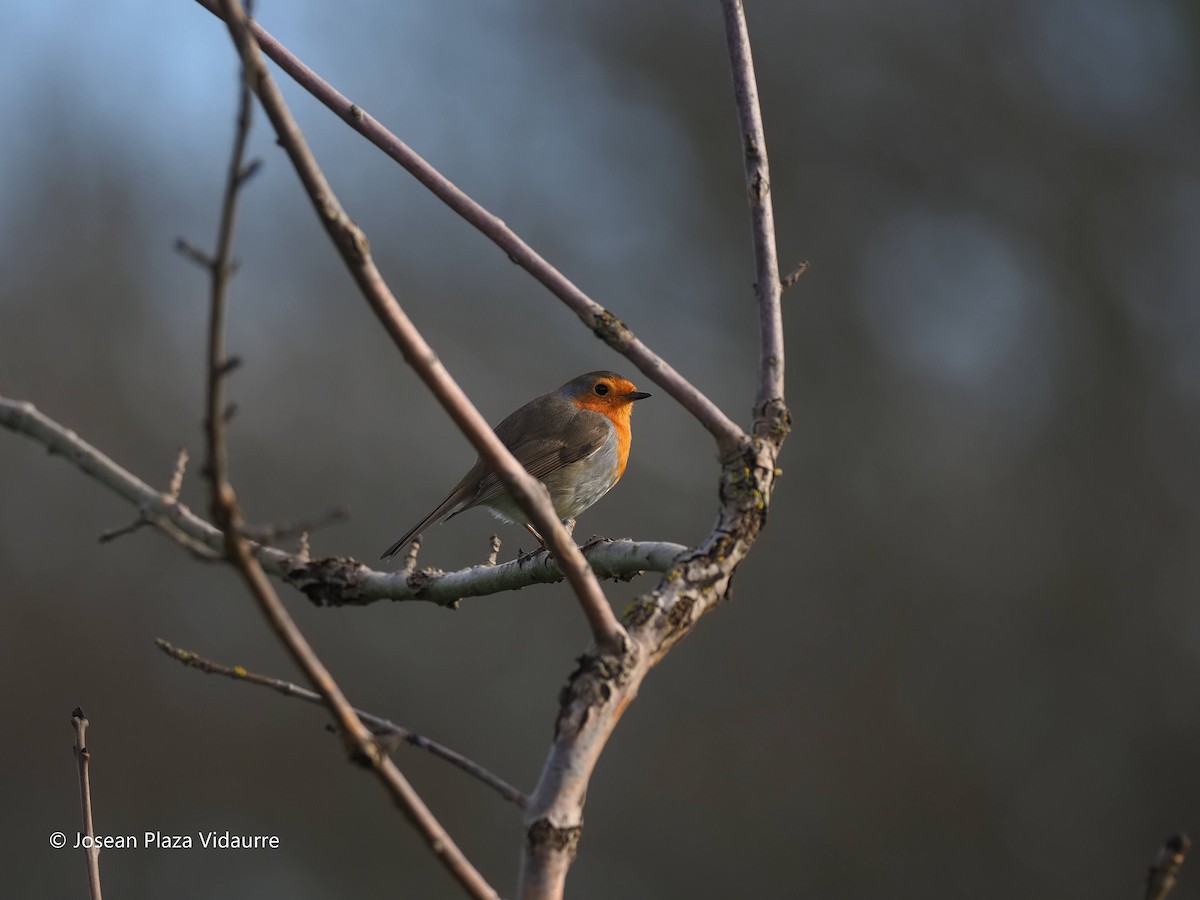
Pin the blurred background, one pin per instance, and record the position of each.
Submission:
(960, 660)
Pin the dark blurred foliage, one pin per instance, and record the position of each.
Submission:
(960, 660)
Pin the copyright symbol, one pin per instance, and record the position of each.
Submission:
(58, 839)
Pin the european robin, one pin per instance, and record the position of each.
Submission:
(575, 440)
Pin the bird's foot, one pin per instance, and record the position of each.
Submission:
(593, 541)
(523, 557)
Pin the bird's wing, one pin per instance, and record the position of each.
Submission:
(542, 456)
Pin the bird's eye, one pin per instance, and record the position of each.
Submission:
(601, 388)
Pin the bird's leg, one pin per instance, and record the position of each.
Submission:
(568, 524)
(523, 558)
(532, 553)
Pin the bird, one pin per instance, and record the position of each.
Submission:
(575, 440)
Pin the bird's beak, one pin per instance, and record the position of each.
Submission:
(636, 395)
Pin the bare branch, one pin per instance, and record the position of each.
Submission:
(378, 725)
(143, 519)
(216, 468)
(769, 406)
(1165, 871)
(793, 276)
(83, 758)
(359, 741)
(192, 253)
(531, 495)
(251, 169)
(113, 533)
(201, 551)
(729, 436)
(363, 746)
(410, 556)
(340, 582)
(599, 691)
(176, 485)
(603, 686)
(333, 581)
(267, 534)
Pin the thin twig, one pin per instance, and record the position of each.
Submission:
(113, 533)
(359, 740)
(251, 169)
(176, 485)
(222, 501)
(793, 276)
(192, 253)
(530, 494)
(410, 556)
(83, 758)
(768, 406)
(268, 534)
(173, 490)
(378, 725)
(171, 529)
(729, 436)
(1164, 872)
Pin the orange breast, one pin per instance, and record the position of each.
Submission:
(618, 411)
(620, 418)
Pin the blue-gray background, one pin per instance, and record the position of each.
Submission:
(961, 661)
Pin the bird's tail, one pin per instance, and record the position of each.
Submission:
(448, 507)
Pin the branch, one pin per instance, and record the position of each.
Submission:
(377, 724)
(175, 488)
(531, 495)
(222, 501)
(599, 691)
(143, 519)
(359, 739)
(344, 582)
(266, 534)
(364, 749)
(84, 757)
(728, 435)
(1165, 871)
(334, 581)
(768, 407)
(360, 742)
(793, 276)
